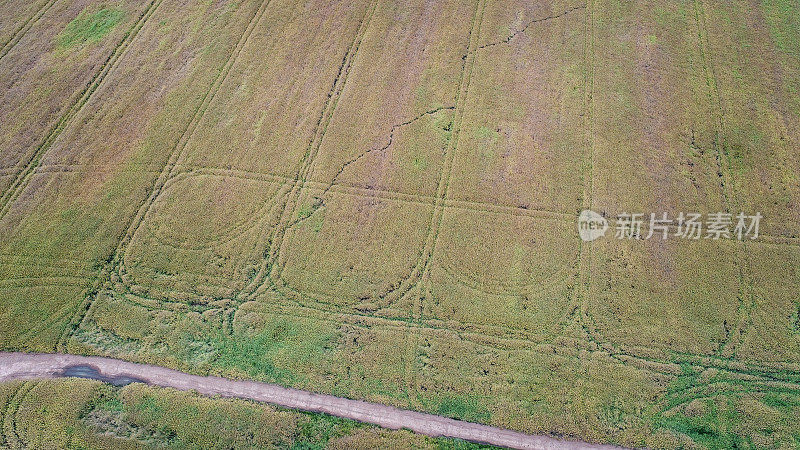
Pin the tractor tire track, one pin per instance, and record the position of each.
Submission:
(24, 28)
(3, 408)
(585, 248)
(171, 167)
(408, 283)
(500, 337)
(746, 293)
(277, 240)
(424, 257)
(439, 201)
(12, 437)
(115, 261)
(24, 177)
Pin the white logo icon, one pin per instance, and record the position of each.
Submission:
(591, 225)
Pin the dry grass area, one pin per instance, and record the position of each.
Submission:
(378, 200)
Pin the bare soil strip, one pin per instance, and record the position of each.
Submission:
(15, 366)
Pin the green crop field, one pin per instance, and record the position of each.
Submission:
(379, 200)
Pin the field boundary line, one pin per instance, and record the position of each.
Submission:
(24, 28)
(24, 176)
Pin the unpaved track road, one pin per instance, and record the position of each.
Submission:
(15, 366)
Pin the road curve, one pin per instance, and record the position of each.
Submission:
(14, 366)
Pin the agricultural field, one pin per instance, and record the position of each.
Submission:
(379, 200)
(89, 414)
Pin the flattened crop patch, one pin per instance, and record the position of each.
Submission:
(202, 235)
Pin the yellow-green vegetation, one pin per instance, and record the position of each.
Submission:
(378, 200)
(86, 414)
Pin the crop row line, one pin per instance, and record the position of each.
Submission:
(429, 200)
(278, 237)
(24, 28)
(10, 430)
(56, 320)
(423, 199)
(366, 191)
(166, 173)
(62, 280)
(21, 180)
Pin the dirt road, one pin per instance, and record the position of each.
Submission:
(27, 365)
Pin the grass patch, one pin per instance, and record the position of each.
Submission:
(270, 353)
(462, 408)
(90, 27)
(715, 428)
(784, 23)
(486, 139)
(252, 355)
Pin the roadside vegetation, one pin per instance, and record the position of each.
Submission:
(86, 414)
